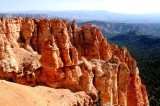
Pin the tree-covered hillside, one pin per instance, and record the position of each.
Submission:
(146, 50)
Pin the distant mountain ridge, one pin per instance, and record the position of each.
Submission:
(88, 15)
(111, 29)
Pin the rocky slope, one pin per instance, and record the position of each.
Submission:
(61, 55)
(19, 95)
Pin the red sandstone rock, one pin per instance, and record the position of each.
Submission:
(59, 55)
(27, 32)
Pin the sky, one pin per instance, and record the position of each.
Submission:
(118, 6)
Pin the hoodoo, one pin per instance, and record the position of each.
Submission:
(58, 54)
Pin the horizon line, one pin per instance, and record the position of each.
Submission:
(78, 10)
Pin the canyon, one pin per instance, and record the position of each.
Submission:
(60, 55)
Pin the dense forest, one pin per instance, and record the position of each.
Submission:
(146, 50)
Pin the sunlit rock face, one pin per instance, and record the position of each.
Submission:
(58, 54)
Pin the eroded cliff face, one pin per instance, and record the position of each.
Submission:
(61, 55)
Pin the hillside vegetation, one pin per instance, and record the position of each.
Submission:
(146, 50)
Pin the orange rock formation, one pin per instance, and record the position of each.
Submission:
(61, 55)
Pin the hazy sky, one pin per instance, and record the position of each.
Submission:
(120, 6)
